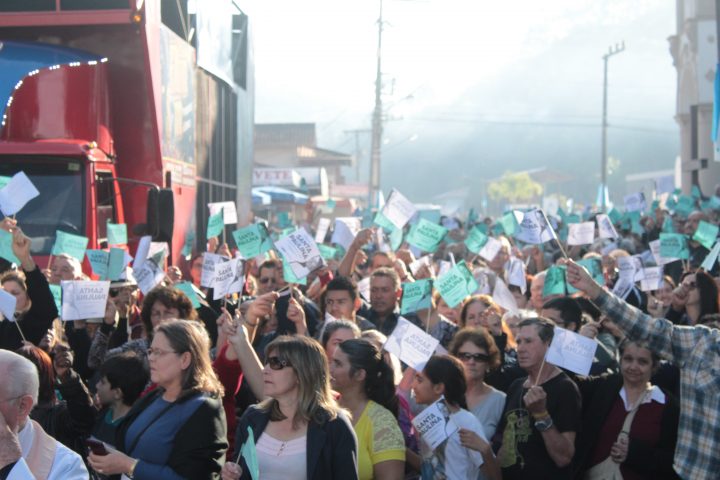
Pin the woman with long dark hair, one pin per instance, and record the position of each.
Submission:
(466, 453)
(696, 296)
(367, 388)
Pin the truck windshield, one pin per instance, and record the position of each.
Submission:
(61, 203)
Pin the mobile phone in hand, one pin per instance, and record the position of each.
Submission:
(96, 446)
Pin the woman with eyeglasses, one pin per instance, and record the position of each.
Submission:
(367, 390)
(696, 296)
(299, 430)
(477, 351)
(178, 430)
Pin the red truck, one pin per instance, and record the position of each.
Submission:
(104, 107)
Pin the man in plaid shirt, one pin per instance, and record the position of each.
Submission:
(696, 351)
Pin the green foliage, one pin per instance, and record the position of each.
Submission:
(515, 188)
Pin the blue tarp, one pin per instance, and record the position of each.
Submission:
(282, 195)
(19, 59)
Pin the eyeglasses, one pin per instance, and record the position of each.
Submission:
(478, 357)
(114, 292)
(156, 352)
(267, 280)
(275, 363)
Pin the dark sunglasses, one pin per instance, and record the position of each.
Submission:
(478, 357)
(276, 364)
(114, 292)
(266, 280)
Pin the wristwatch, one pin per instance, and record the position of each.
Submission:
(544, 423)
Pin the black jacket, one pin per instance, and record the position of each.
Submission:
(331, 445)
(36, 321)
(599, 395)
(199, 449)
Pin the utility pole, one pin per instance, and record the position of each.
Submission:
(603, 169)
(358, 150)
(377, 127)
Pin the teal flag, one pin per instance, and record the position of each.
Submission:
(674, 245)
(695, 193)
(331, 204)
(252, 240)
(614, 215)
(56, 291)
(215, 225)
(706, 234)
(426, 235)
(69, 244)
(635, 226)
(667, 226)
(555, 283)
(283, 219)
(573, 218)
(4, 181)
(187, 289)
(416, 296)
(6, 251)
(456, 284)
(188, 245)
(475, 240)
(509, 223)
(249, 453)
(594, 266)
(382, 221)
(99, 262)
(116, 263)
(396, 239)
(327, 252)
(289, 275)
(116, 234)
(685, 206)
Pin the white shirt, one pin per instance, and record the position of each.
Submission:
(461, 463)
(655, 394)
(67, 465)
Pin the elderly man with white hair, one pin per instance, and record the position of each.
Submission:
(26, 451)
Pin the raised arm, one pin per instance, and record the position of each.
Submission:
(347, 266)
(664, 338)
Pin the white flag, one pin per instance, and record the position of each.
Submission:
(635, 202)
(18, 192)
(229, 211)
(300, 252)
(535, 228)
(398, 209)
(516, 274)
(581, 233)
(345, 230)
(605, 227)
(322, 229)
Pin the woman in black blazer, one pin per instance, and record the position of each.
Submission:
(299, 430)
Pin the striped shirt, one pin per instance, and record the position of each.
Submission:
(696, 351)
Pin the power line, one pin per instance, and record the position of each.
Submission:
(534, 124)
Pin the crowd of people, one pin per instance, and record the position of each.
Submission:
(290, 381)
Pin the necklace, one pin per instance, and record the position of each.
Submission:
(282, 447)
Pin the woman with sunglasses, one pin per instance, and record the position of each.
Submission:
(178, 430)
(477, 351)
(299, 430)
(696, 296)
(367, 389)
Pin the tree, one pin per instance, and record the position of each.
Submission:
(515, 188)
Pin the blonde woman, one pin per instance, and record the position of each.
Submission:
(299, 430)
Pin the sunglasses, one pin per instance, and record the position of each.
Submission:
(478, 357)
(114, 292)
(266, 280)
(275, 363)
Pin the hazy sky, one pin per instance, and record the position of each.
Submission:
(466, 63)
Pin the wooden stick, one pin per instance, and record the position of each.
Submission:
(427, 320)
(539, 372)
(20, 330)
